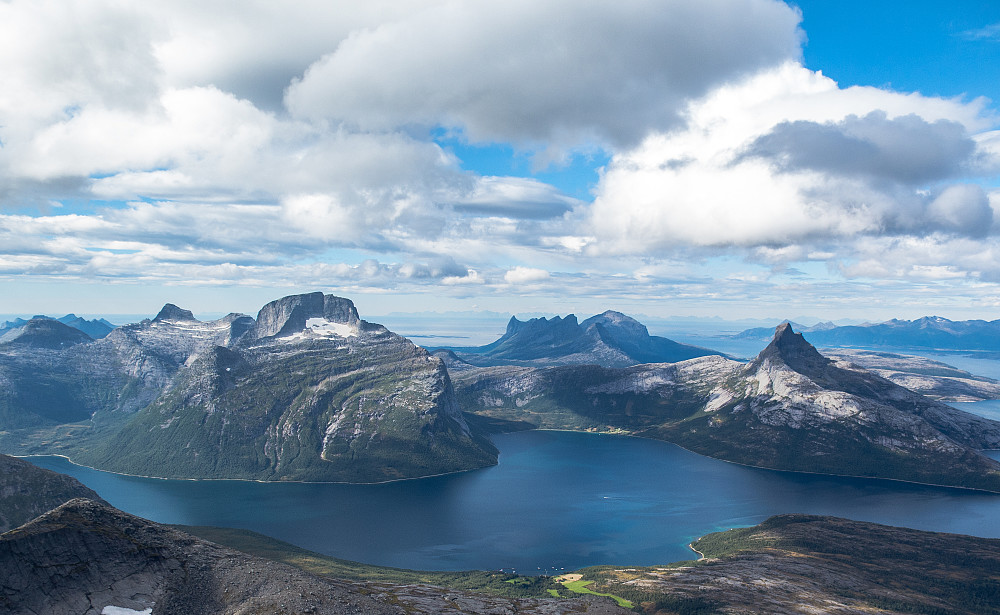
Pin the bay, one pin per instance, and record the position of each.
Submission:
(557, 500)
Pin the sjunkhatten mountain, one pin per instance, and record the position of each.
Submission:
(306, 391)
(790, 408)
(611, 339)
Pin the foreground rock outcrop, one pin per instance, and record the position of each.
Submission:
(87, 558)
(27, 491)
(797, 564)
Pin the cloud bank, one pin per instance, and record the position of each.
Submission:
(250, 144)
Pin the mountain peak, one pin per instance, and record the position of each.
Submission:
(44, 332)
(793, 350)
(172, 312)
(288, 315)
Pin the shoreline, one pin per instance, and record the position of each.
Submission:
(252, 480)
(747, 465)
(580, 431)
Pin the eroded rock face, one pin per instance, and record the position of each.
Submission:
(289, 315)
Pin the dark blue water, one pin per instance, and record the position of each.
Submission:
(556, 500)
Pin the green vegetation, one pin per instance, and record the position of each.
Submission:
(579, 586)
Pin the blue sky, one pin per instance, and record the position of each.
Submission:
(741, 158)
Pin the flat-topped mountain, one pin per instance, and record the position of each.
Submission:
(611, 339)
(306, 391)
(790, 408)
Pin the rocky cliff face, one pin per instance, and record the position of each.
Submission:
(308, 391)
(27, 491)
(611, 339)
(790, 408)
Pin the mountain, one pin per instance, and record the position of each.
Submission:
(794, 564)
(790, 408)
(95, 329)
(306, 391)
(27, 491)
(611, 339)
(45, 333)
(930, 332)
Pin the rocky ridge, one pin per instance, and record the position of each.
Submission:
(27, 491)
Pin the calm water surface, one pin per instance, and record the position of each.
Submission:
(556, 500)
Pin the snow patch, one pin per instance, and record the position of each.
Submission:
(120, 610)
(322, 326)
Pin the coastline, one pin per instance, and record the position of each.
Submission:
(252, 480)
(755, 467)
(581, 431)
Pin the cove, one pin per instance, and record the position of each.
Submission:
(557, 500)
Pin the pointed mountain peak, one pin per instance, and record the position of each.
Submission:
(172, 312)
(793, 350)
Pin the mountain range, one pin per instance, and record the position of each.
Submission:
(790, 408)
(610, 339)
(96, 328)
(304, 391)
(930, 332)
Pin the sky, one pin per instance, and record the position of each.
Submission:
(733, 158)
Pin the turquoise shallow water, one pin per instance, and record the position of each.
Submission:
(556, 500)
